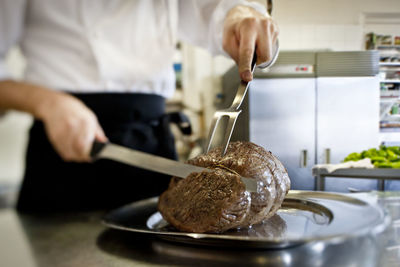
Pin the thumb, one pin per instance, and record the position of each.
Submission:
(100, 135)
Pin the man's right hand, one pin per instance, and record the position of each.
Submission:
(70, 126)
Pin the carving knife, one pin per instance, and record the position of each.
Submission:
(154, 163)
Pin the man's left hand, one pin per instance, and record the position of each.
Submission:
(245, 30)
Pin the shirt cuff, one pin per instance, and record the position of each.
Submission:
(218, 19)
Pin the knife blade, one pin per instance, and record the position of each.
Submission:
(154, 163)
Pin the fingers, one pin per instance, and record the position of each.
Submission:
(264, 46)
(73, 140)
(246, 30)
(248, 36)
(100, 135)
(266, 42)
(83, 141)
(72, 129)
(85, 138)
(231, 46)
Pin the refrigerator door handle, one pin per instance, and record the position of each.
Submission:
(303, 158)
(327, 155)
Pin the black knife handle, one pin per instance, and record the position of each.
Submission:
(97, 147)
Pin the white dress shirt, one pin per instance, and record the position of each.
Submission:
(108, 45)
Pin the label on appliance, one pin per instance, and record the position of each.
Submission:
(290, 69)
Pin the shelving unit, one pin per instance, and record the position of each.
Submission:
(389, 70)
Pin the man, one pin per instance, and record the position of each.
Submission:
(99, 70)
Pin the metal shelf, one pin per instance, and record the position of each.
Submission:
(383, 173)
(389, 99)
(390, 81)
(380, 174)
(388, 46)
(390, 129)
(389, 64)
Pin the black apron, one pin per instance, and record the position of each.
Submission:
(135, 120)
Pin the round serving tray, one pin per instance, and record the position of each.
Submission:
(305, 216)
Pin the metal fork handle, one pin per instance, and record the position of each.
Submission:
(234, 110)
(242, 90)
(237, 102)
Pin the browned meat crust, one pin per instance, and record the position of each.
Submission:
(205, 202)
(217, 201)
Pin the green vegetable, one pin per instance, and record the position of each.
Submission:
(391, 155)
(369, 153)
(395, 149)
(384, 157)
(382, 153)
(383, 164)
(378, 159)
(353, 156)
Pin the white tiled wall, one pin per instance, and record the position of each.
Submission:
(337, 37)
(325, 24)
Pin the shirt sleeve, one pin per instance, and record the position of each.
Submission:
(201, 22)
(12, 14)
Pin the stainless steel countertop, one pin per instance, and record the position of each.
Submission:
(79, 239)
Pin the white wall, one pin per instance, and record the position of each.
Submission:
(329, 11)
(327, 24)
(337, 37)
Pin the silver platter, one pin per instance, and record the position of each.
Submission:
(305, 216)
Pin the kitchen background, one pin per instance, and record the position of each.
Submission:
(316, 25)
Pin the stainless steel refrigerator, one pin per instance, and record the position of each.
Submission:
(314, 107)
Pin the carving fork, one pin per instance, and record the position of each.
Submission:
(234, 110)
